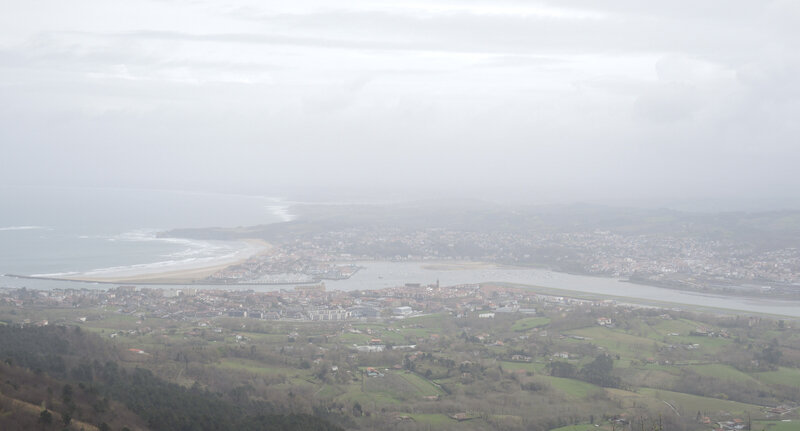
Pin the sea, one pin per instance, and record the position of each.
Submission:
(63, 231)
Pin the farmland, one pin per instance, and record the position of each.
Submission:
(569, 367)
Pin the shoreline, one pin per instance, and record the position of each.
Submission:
(177, 276)
(160, 283)
(640, 302)
(719, 290)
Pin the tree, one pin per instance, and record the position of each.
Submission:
(66, 393)
(599, 371)
(772, 353)
(45, 417)
(562, 369)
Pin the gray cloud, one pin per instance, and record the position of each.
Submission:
(578, 100)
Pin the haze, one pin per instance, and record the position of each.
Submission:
(558, 101)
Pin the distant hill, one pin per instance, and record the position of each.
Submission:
(768, 229)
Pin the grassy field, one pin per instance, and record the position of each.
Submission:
(374, 394)
(776, 426)
(688, 404)
(395, 388)
(434, 420)
(618, 342)
(535, 367)
(394, 334)
(678, 326)
(784, 376)
(264, 338)
(247, 365)
(474, 371)
(653, 375)
(684, 404)
(572, 388)
(527, 323)
(724, 372)
(582, 427)
(423, 386)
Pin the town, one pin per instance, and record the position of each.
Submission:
(300, 303)
(687, 252)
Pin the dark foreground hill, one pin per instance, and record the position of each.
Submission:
(65, 378)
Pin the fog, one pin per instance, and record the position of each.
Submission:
(621, 101)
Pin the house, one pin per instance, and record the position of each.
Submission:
(605, 321)
(372, 372)
(402, 311)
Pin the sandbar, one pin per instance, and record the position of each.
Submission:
(175, 274)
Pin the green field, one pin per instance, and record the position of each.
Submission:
(534, 367)
(394, 388)
(423, 386)
(527, 323)
(264, 338)
(679, 326)
(784, 376)
(724, 372)
(582, 427)
(692, 403)
(793, 425)
(572, 388)
(653, 375)
(432, 419)
(619, 342)
(466, 369)
(247, 365)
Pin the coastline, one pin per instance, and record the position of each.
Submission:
(189, 274)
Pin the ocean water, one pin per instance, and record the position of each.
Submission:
(62, 231)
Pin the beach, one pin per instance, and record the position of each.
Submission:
(172, 272)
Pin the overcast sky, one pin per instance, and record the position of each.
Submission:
(568, 100)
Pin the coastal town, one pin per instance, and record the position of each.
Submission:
(683, 262)
(300, 303)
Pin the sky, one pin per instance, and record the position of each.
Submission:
(575, 100)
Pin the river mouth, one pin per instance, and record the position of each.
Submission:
(382, 274)
(375, 275)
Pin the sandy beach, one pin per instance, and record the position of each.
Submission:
(178, 273)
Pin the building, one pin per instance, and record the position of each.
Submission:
(402, 311)
(364, 311)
